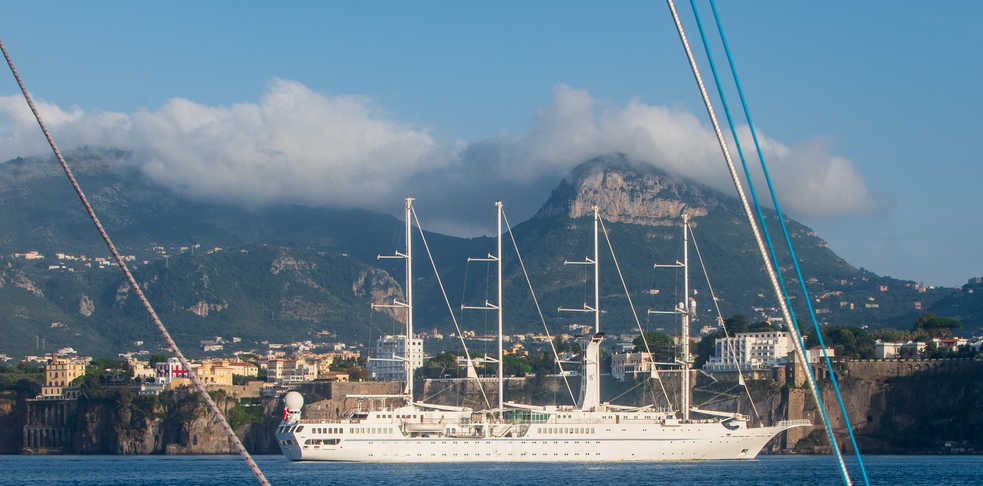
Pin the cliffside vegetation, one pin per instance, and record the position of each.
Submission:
(23, 378)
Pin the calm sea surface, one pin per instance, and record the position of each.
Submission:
(231, 470)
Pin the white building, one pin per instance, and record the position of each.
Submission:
(169, 370)
(950, 344)
(303, 371)
(29, 255)
(626, 365)
(386, 363)
(210, 348)
(278, 368)
(887, 349)
(890, 350)
(750, 350)
(815, 355)
(142, 371)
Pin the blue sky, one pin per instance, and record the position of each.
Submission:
(886, 87)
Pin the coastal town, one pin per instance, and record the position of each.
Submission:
(276, 367)
(256, 378)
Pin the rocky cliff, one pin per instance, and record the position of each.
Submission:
(900, 407)
(118, 422)
(629, 192)
(13, 416)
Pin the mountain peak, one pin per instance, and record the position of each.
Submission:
(629, 191)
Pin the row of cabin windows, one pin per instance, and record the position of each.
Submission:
(372, 430)
(509, 453)
(398, 416)
(565, 430)
(339, 430)
(567, 415)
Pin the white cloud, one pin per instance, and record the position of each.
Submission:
(19, 133)
(810, 181)
(298, 146)
(294, 145)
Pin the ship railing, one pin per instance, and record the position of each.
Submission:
(793, 423)
(329, 421)
(705, 421)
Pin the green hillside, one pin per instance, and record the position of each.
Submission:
(290, 272)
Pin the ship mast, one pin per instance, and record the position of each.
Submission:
(497, 306)
(684, 334)
(590, 390)
(597, 282)
(407, 255)
(498, 260)
(596, 309)
(683, 309)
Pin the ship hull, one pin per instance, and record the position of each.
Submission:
(683, 443)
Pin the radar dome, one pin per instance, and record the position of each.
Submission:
(294, 401)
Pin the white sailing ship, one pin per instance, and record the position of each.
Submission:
(590, 431)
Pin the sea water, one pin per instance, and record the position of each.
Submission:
(231, 470)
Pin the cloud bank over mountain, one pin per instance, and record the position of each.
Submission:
(295, 145)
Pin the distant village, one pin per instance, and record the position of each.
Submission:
(825, 301)
(67, 262)
(281, 366)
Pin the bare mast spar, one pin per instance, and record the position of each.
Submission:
(683, 309)
(407, 255)
(497, 306)
(590, 390)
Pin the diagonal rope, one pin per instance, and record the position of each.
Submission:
(132, 281)
(532, 292)
(635, 315)
(442, 390)
(785, 233)
(450, 309)
(627, 391)
(720, 318)
(756, 232)
(768, 239)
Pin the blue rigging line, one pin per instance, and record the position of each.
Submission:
(788, 242)
(757, 206)
(781, 221)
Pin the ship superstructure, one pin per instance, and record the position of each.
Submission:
(591, 430)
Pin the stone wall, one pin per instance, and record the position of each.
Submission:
(48, 426)
(251, 389)
(334, 397)
(887, 401)
(880, 369)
